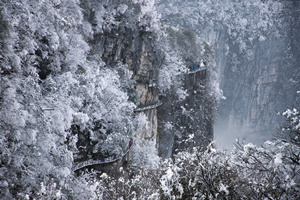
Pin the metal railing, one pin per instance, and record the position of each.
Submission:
(197, 70)
(92, 162)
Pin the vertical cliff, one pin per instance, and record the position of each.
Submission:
(259, 85)
(141, 51)
(185, 119)
(188, 123)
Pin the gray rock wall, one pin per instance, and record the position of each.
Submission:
(136, 49)
(260, 85)
(188, 123)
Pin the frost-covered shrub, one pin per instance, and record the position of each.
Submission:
(180, 50)
(104, 119)
(108, 15)
(291, 132)
(249, 172)
(144, 153)
(149, 18)
(266, 171)
(198, 175)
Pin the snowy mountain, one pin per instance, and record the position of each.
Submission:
(118, 99)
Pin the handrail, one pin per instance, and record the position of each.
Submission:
(197, 70)
(159, 103)
(91, 162)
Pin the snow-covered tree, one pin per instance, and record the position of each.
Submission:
(244, 21)
(33, 123)
(49, 88)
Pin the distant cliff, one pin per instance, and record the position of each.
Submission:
(263, 83)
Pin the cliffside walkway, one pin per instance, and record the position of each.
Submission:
(100, 164)
(197, 70)
(159, 103)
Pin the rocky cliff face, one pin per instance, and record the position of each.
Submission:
(255, 51)
(187, 123)
(177, 123)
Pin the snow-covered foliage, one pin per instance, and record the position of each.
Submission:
(178, 51)
(268, 169)
(144, 154)
(248, 172)
(149, 17)
(294, 118)
(172, 72)
(41, 53)
(290, 133)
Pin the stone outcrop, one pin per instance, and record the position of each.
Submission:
(188, 123)
(137, 49)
